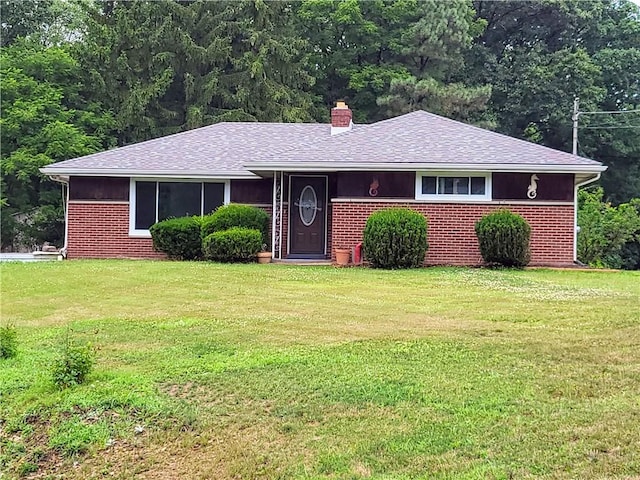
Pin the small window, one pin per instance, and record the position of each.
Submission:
(429, 185)
(478, 185)
(453, 187)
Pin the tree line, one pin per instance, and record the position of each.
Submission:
(80, 76)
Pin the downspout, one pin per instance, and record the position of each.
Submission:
(575, 213)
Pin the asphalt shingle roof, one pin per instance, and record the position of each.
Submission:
(233, 149)
(219, 149)
(425, 138)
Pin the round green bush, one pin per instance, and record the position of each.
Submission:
(179, 238)
(395, 238)
(503, 237)
(237, 244)
(236, 215)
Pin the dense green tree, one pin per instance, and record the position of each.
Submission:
(50, 22)
(432, 46)
(195, 63)
(23, 19)
(363, 47)
(454, 100)
(267, 74)
(355, 47)
(43, 121)
(606, 229)
(539, 55)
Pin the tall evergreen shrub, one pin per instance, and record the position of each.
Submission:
(503, 237)
(236, 215)
(395, 238)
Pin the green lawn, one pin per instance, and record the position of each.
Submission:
(273, 371)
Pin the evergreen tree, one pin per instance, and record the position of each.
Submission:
(167, 66)
(433, 45)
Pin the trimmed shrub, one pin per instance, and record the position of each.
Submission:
(236, 244)
(8, 342)
(73, 364)
(503, 237)
(236, 215)
(179, 238)
(395, 238)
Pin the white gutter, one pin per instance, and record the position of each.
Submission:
(575, 213)
(365, 166)
(118, 172)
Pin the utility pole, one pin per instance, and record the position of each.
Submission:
(577, 113)
(575, 125)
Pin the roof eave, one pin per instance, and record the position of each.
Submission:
(472, 167)
(118, 172)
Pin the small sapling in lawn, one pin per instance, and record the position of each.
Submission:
(74, 362)
(8, 341)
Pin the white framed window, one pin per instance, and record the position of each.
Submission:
(153, 200)
(453, 186)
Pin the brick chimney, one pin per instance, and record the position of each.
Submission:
(341, 116)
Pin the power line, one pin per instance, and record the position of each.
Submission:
(576, 116)
(608, 128)
(611, 112)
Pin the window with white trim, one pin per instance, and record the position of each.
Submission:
(153, 200)
(453, 186)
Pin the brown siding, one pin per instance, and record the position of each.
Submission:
(451, 234)
(99, 188)
(551, 186)
(257, 191)
(390, 184)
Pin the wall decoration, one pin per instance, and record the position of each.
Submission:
(532, 190)
(557, 187)
(373, 188)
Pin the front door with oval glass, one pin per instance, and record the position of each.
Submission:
(308, 216)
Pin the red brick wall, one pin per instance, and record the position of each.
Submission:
(101, 230)
(452, 239)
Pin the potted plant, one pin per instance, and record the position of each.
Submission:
(265, 256)
(342, 256)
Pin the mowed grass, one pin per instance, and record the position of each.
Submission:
(275, 371)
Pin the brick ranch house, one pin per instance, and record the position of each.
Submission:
(321, 182)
